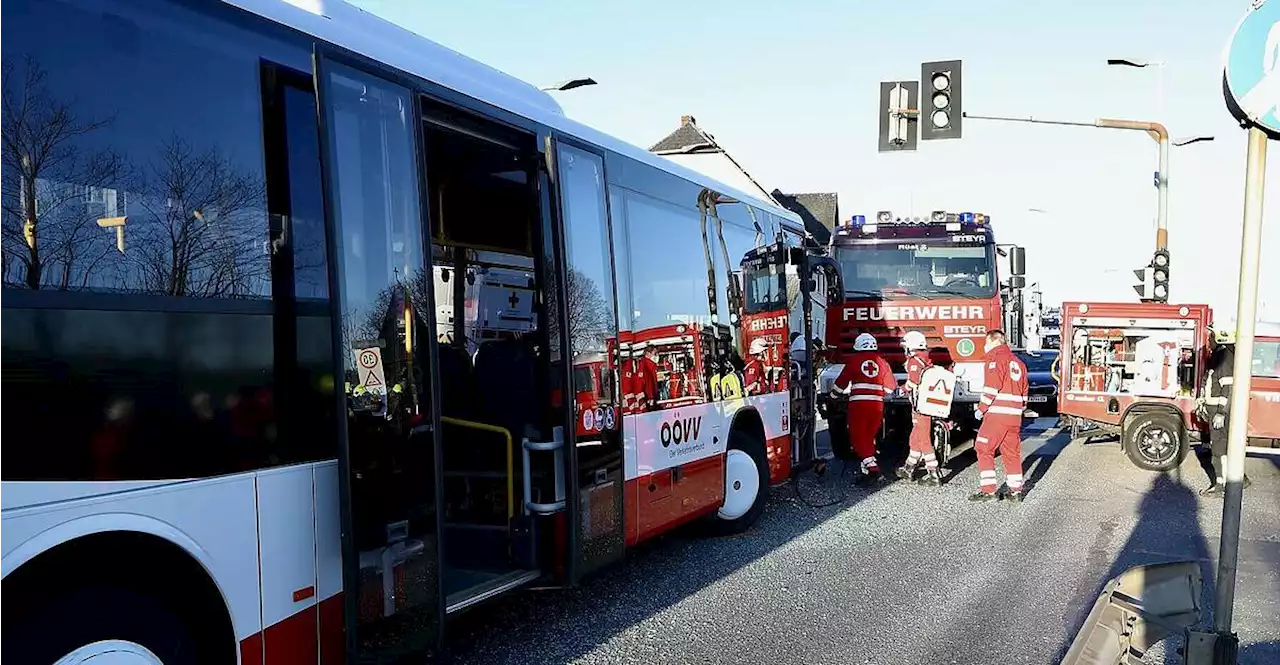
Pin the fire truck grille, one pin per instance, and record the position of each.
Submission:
(889, 340)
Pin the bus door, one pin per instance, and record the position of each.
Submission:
(594, 451)
(819, 286)
(389, 461)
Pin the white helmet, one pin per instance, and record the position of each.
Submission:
(758, 346)
(914, 340)
(865, 342)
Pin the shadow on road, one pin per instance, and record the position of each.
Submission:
(654, 576)
(1168, 529)
(1260, 653)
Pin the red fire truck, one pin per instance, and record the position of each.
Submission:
(937, 276)
(1138, 369)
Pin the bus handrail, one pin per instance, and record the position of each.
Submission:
(506, 435)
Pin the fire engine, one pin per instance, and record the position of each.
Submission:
(1138, 369)
(935, 275)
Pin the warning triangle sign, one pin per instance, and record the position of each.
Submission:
(372, 381)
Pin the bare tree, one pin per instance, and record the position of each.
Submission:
(204, 231)
(590, 318)
(47, 181)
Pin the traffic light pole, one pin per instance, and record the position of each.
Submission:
(1155, 130)
(1238, 410)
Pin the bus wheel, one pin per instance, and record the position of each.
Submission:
(1154, 442)
(104, 624)
(746, 485)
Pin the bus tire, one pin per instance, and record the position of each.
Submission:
(746, 484)
(92, 621)
(1154, 441)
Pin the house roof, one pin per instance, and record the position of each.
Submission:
(819, 210)
(688, 140)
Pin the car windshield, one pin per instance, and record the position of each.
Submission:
(1038, 361)
(916, 267)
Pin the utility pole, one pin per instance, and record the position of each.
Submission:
(1155, 130)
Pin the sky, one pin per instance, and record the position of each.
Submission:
(791, 91)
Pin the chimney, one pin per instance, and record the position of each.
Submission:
(687, 120)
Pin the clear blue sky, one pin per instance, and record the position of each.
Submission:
(790, 89)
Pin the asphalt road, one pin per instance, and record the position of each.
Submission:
(902, 574)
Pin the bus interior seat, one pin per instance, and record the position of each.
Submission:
(505, 372)
(458, 394)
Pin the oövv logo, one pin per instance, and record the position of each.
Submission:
(679, 431)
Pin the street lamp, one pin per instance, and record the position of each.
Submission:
(1188, 140)
(570, 84)
(1143, 64)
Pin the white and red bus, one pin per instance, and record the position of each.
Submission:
(240, 427)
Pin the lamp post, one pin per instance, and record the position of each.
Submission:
(570, 84)
(1143, 64)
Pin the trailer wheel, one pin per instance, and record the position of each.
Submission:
(746, 480)
(1154, 441)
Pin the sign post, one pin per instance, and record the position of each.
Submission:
(899, 108)
(1252, 91)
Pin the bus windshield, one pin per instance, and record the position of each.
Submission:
(918, 268)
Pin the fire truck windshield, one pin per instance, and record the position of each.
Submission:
(918, 268)
(764, 289)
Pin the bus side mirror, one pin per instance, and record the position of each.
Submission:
(1142, 606)
(1018, 261)
(1017, 281)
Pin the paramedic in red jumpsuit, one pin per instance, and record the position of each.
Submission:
(647, 379)
(865, 379)
(1004, 399)
(921, 440)
(753, 374)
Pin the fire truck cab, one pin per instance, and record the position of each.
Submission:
(937, 275)
(1138, 370)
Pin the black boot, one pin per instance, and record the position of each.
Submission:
(980, 496)
(905, 472)
(931, 479)
(1214, 491)
(871, 477)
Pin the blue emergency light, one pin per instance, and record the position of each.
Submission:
(859, 220)
(966, 218)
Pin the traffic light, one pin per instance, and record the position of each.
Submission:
(1144, 287)
(1160, 276)
(940, 110)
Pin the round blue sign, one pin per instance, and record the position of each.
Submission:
(1251, 73)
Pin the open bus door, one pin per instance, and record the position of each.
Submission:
(593, 459)
(389, 460)
(814, 273)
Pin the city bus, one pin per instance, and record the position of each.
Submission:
(293, 306)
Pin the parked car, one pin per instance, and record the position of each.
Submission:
(1042, 388)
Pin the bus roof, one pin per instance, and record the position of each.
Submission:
(361, 32)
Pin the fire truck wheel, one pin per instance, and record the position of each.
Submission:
(746, 485)
(1154, 441)
(105, 624)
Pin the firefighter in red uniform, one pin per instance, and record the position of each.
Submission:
(647, 375)
(921, 439)
(865, 379)
(753, 375)
(629, 381)
(1004, 399)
